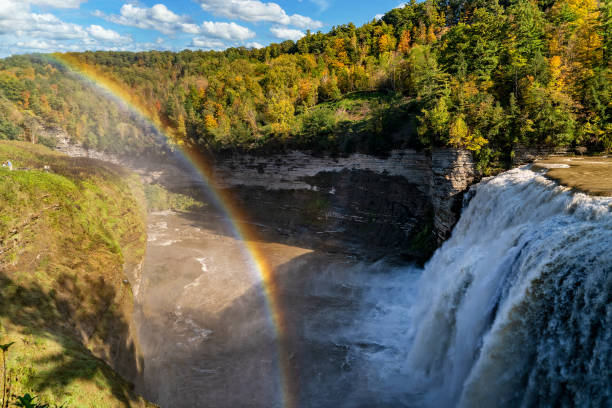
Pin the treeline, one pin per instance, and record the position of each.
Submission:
(37, 93)
(484, 75)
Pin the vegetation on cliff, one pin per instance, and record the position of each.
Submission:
(483, 75)
(66, 235)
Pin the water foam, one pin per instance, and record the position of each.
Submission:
(514, 310)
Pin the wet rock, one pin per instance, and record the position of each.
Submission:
(452, 171)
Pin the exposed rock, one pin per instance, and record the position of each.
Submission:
(406, 203)
(453, 171)
(529, 154)
(355, 204)
(289, 171)
(73, 150)
(162, 169)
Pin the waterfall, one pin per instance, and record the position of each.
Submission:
(515, 309)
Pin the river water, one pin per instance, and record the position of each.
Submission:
(513, 310)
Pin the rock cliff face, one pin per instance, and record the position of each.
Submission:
(405, 203)
(452, 173)
(67, 244)
(529, 154)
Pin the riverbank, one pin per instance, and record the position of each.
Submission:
(591, 175)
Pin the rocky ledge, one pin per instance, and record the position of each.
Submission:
(406, 203)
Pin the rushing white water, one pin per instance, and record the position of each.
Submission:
(515, 309)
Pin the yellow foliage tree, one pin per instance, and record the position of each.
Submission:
(431, 36)
(461, 137)
(404, 44)
(280, 112)
(555, 65)
(578, 39)
(210, 122)
(181, 130)
(386, 43)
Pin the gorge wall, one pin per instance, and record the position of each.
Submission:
(71, 233)
(405, 203)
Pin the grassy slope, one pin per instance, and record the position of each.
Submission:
(65, 237)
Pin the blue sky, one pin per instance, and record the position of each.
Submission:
(77, 25)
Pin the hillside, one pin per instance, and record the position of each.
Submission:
(481, 75)
(68, 236)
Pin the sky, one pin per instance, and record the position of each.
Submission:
(33, 26)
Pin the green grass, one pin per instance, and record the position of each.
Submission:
(65, 238)
(159, 199)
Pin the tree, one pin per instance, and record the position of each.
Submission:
(210, 123)
(5, 386)
(460, 136)
(386, 43)
(433, 128)
(404, 43)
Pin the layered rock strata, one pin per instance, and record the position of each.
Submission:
(380, 205)
(406, 203)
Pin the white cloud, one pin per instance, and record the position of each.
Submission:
(22, 30)
(287, 33)
(24, 24)
(323, 4)
(58, 3)
(162, 19)
(104, 34)
(35, 44)
(226, 31)
(208, 43)
(10, 9)
(17, 19)
(378, 16)
(16, 46)
(255, 10)
(254, 44)
(158, 17)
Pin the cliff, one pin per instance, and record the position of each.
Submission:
(70, 237)
(406, 203)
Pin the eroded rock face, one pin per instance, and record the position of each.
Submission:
(452, 171)
(289, 171)
(529, 154)
(405, 204)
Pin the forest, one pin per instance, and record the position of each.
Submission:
(483, 75)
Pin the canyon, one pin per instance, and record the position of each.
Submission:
(404, 204)
(358, 321)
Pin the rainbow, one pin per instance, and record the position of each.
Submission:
(242, 231)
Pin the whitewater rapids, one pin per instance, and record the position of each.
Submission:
(515, 309)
